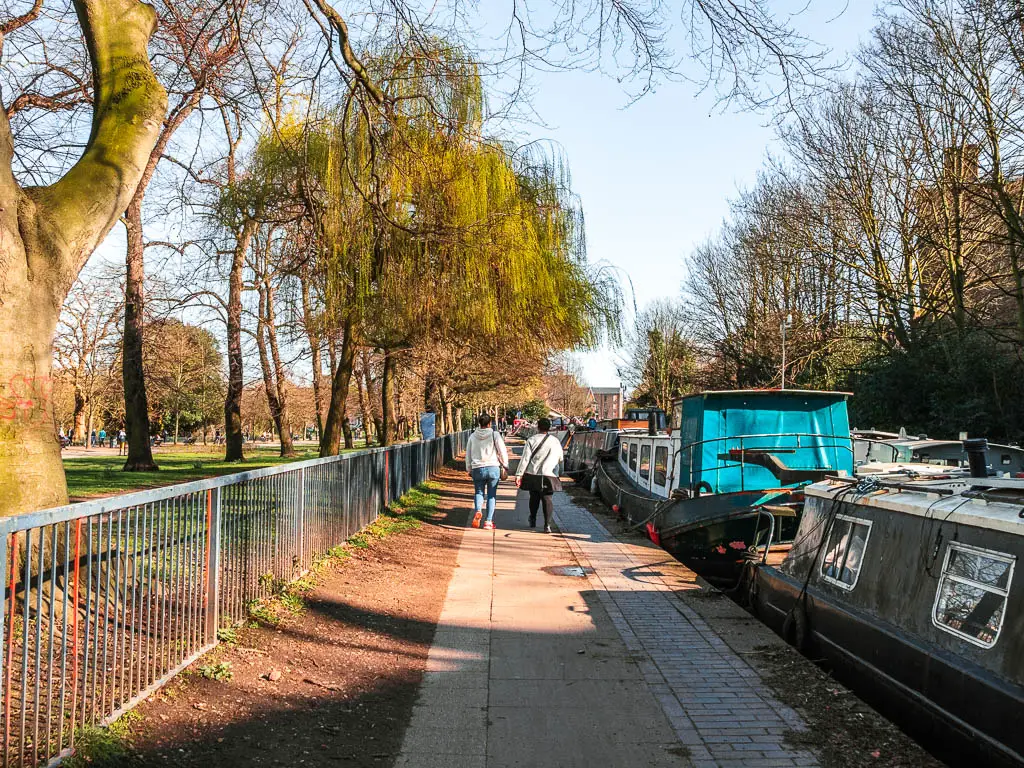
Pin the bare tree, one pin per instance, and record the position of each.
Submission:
(196, 50)
(85, 347)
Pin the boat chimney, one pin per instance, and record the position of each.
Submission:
(652, 422)
(977, 451)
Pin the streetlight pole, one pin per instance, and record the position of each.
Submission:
(785, 324)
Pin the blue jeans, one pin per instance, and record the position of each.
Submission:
(485, 484)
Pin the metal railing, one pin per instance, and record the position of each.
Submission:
(842, 442)
(105, 601)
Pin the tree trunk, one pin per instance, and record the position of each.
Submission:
(277, 407)
(337, 420)
(78, 419)
(280, 381)
(387, 399)
(450, 418)
(313, 336)
(233, 399)
(48, 233)
(364, 412)
(443, 411)
(1017, 273)
(373, 400)
(136, 403)
(31, 473)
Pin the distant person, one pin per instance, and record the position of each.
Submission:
(103, 438)
(539, 470)
(122, 441)
(92, 439)
(486, 462)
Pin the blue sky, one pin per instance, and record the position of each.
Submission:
(655, 177)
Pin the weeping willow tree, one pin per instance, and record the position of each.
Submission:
(432, 233)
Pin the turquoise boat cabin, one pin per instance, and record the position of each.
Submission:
(746, 440)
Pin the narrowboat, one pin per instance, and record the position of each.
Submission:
(907, 590)
(637, 418)
(999, 458)
(727, 476)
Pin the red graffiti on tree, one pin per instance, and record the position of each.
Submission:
(25, 397)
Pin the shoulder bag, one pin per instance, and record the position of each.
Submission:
(503, 470)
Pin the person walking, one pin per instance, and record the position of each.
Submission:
(539, 470)
(487, 463)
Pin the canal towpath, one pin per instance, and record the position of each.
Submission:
(517, 648)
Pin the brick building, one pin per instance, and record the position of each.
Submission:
(607, 402)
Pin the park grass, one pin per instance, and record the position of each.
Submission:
(91, 477)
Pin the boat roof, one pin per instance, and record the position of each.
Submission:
(924, 498)
(915, 444)
(776, 391)
(874, 434)
(906, 469)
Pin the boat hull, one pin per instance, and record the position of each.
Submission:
(711, 533)
(961, 712)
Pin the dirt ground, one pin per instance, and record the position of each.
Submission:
(843, 730)
(334, 685)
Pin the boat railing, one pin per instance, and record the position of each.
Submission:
(870, 442)
(844, 442)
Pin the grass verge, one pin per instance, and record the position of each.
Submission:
(109, 746)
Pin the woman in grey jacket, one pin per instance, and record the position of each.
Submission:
(486, 457)
(539, 470)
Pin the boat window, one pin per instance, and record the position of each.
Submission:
(645, 462)
(971, 598)
(844, 553)
(677, 416)
(1004, 459)
(632, 456)
(660, 465)
(624, 452)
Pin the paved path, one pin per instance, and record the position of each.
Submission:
(534, 669)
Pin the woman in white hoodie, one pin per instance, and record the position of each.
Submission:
(486, 457)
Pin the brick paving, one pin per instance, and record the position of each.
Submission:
(715, 701)
(529, 668)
